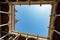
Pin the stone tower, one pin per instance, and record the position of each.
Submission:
(7, 20)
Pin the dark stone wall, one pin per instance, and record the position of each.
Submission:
(32, 39)
(8, 36)
(2, 0)
(58, 8)
(12, 0)
(23, 0)
(56, 36)
(57, 23)
(4, 30)
(4, 18)
(22, 38)
(7, 0)
(4, 7)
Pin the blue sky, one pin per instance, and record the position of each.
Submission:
(33, 19)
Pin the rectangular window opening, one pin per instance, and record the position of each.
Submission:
(33, 19)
